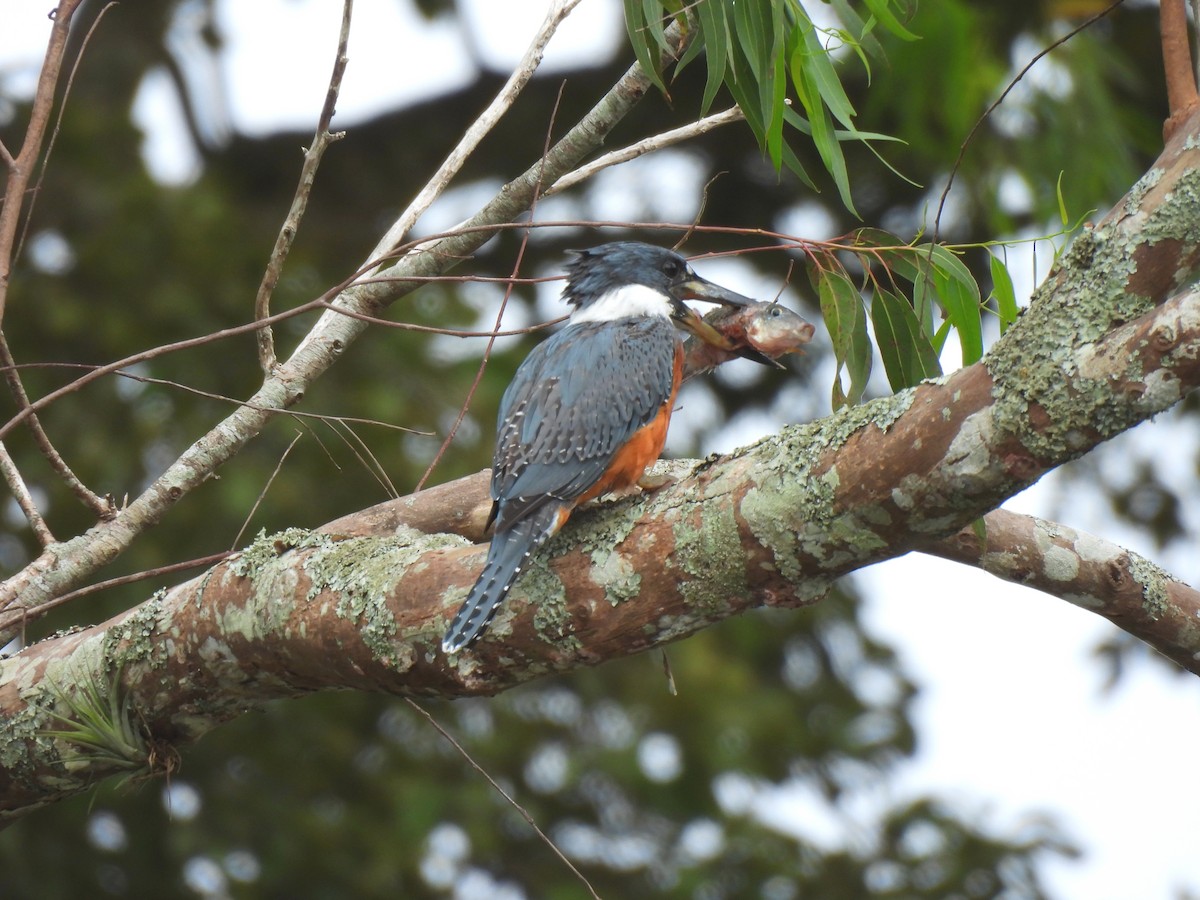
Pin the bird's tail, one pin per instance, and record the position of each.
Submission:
(507, 556)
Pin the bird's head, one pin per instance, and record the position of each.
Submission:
(629, 279)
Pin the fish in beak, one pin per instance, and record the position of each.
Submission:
(693, 287)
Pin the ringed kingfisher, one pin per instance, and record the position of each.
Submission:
(587, 411)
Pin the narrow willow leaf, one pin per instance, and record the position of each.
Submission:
(653, 16)
(775, 122)
(961, 304)
(908, 356)
(882, 11)
(924, 294)
(740, 85)
(890, 335)
(1003, 291)
(792, 161)
(845, 319)
(856, 26)
(714, 28)
(639, 38)
(750, 23)
(829, 86)
(821, 124)
(862, 354)
(963, 311)
(939, 336)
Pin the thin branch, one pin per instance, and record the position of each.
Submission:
(1182, 98)
(266, 487)
(16, 484)
(487, 350)
(450, 332)
(101, 507)
(21, 168)
(62, 109)
(25, 616)
(308, 172)
(479, 129)
(649, 145)
(152, 353)
(524, 813)
(362, 452)
(962, 150)
(294, 413)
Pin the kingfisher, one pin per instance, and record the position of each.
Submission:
(588, 409)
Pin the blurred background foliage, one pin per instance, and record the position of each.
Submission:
(344, 795)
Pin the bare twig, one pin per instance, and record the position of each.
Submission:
(308, 172)
(487, 351)
(25, 616)
(366, 458)
(266, 487)
(524, 813)
(487, 120)
(1182, 98)
(98, 505)
(152, 353)
(20, 168)
(962, 150)
(16, 484)
(224, 398)
(649, 145)
(451, 332)
(62, 106)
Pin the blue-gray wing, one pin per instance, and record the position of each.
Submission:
(574, 402)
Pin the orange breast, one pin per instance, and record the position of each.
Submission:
(643, 448)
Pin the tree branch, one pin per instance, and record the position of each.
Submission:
(487, 120)
(1182, 98)
(102, 508)
(1088, 571)
(16, 484)
(649, 145)
(20, 169)
(322, 138)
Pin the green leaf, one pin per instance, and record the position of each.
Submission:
(1003, 291)
(792, 161)
(821, 124)
(908, 356)
(1062, 203)
(775, 120)
(714, 30)
(961, 304)
(644, 49)
(750, 20)
(829, 86)
(860, 30)
(881, 10)
(846, 321)
(653, 16)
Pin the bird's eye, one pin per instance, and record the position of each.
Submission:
(671, 268)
